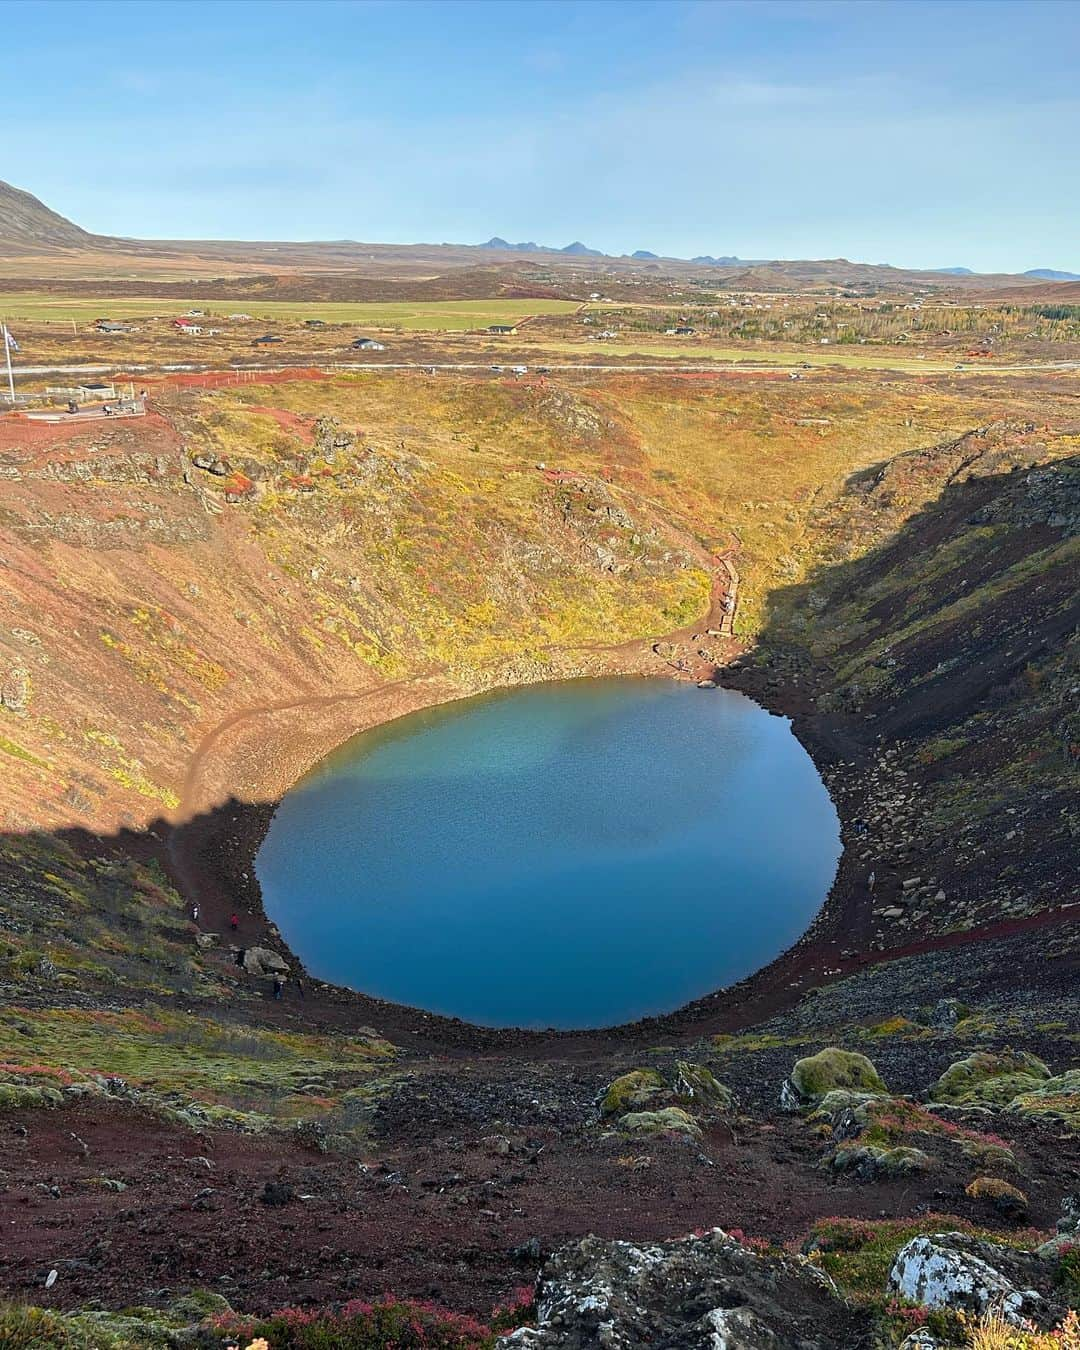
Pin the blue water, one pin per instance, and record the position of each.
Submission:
(567, 855)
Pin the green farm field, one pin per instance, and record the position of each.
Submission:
(420, 316)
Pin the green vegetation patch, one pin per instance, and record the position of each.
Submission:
(429, 315)
(232, 1073)
(990, 1078)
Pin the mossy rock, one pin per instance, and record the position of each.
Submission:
(1003, 1198)
(868, 1162)
(650, 1124)
(843, 1099)
(198, 1304)
(21, 1097)
(988, 1157)
(633, 1091)
(695, 1083)
(1055, 1099)
(990, 1078)
(829, 1070)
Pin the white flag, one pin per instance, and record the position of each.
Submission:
(9, 339)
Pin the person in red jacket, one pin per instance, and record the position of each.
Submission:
(234, 922)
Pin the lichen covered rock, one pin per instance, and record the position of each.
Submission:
(951, 1270)
(689, 1294)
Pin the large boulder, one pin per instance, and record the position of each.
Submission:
(952, 1270)
(263, 961)
(692, 1294)
(989, 1078)
(828, 1071)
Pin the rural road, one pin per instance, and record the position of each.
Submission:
(508, 364)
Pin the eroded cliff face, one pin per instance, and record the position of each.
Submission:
(947, 645)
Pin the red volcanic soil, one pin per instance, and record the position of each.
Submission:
(298, 424)
(438, 1215)
(19, 433)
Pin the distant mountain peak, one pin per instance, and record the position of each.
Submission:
(27, 225)
(643, 255)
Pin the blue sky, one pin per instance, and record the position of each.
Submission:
(923, 134)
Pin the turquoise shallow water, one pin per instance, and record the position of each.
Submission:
(567, 855)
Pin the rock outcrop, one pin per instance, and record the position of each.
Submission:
(689, 1294)
(263, 961)
(952, 1270)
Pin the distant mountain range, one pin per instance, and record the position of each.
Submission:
(28, 228)
(577, 248)
(580, 250)
(1049, 274)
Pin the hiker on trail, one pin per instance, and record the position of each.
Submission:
(194, 913)
(239, 957)
(278, 986)
(871, 881)
(300, 986)
(234, 922)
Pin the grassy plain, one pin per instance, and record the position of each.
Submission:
(420, 316)
(759, 354)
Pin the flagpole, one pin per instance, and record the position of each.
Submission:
(7, 353)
